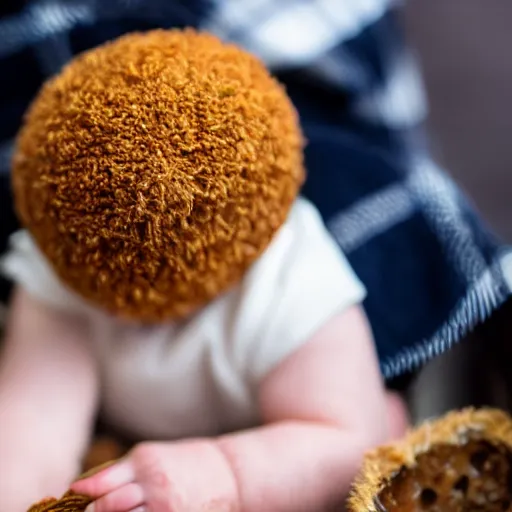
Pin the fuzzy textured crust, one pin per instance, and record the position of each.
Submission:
(153, 171)
(454, 428)
(69, 502)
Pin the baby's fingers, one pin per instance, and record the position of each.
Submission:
(106, 481)
(125, 499)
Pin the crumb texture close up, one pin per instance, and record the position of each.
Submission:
(68, 503)
(473, 477)
(103, 452)
(153, 171)
(459, 463)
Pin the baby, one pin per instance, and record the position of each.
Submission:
(170, 278)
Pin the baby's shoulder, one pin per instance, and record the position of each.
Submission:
(25, 265)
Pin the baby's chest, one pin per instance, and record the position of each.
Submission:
(161, 383)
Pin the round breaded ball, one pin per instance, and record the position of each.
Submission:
(154, 170)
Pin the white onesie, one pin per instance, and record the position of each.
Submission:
(200, 377)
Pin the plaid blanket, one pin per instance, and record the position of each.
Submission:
(432, 269)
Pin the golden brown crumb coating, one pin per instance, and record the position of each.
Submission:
(450, 437)
(68, 503)
(153, 171)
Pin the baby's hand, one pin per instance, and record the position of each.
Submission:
(164, 477)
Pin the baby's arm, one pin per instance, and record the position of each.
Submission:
(48, 394)
(322, 408)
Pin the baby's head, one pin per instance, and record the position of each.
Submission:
(154, 170)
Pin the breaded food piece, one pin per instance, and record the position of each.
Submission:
(461, 462)
(155, 169)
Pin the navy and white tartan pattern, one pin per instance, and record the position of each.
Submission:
(432, 269)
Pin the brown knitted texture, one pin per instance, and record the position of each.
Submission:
(461, 462)
(68, 503)
(155, 169)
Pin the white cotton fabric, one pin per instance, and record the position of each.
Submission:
(200, 377)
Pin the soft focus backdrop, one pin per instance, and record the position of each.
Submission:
(465, 49)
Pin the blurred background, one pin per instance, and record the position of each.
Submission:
(463, 47)
(464, 51)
